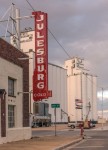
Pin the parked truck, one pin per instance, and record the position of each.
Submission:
(87, 123)
(40, 116)
(76, 124)
(40, 121)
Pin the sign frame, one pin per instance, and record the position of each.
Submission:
(40, 76)
(55, 105)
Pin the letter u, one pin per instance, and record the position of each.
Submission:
(40, 26)
(40, 68)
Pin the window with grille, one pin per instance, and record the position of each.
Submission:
(11, 116)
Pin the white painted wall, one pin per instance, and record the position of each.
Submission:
(88, 95)
(8, 69)
(81, 85)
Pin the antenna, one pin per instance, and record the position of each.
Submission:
(18, 28)
(13, 15)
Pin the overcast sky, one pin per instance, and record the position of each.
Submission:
(81, 26)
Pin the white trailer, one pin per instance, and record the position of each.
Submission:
(40, 121)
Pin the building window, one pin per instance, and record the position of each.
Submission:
(11, 87)
(11, 116)
(36, 108)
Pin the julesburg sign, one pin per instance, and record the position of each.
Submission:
(40, 76)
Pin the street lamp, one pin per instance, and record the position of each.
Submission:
(81, 98)
(30, 93)
(102, 108)
(24, 58)
(102, 99)
(30, 78)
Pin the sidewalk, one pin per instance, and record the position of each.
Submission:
(43, 143)
(101, 127)
(46, 143)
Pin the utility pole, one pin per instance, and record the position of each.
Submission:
(13, 16)
(102, 108)
(63, 112)
(81, 99)
(81, 68)
(30, 94)
(18, 28)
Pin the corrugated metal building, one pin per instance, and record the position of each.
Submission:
(57, 80)
(58, 84)
(78, 85)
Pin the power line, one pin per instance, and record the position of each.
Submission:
(91, 80)
(52, 33)
(59, 44)
(94, 83)
(30, 5)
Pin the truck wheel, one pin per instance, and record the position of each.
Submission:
(72, 126)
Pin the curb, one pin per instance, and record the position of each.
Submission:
(69, 144)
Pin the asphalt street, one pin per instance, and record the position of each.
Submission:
(94, 139)
(41, 133)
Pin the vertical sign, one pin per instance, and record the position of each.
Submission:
(40, 76)
(78, 103)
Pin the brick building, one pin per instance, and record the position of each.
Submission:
(14, 94)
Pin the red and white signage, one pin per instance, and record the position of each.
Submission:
(40, 76)
(78, 103)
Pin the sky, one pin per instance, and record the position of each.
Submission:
(80, 26)
(102, 100)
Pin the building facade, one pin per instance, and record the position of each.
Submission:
(82, 91)
(57, 80)
(14, 82)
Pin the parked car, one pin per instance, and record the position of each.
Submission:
(74, 124)
(92, 125)
(88, 124)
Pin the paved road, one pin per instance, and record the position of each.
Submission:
(41, 133)
(94, 140)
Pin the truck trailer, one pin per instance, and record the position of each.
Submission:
(40, 116)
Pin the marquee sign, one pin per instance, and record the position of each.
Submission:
(40, 76)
